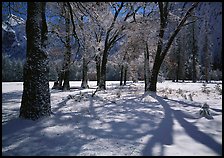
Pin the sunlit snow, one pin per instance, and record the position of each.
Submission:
(121, 120)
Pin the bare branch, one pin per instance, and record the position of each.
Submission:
(180, 25)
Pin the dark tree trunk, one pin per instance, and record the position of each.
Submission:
(98, 68)
(206, 53)
(178, 70)
(66, 85)
(146, 68)
(154, 76)
(102, 83)
(121, 77)
(61, 78)
(125, 74)
(194, 75)
(84, 74)
(194, 79)
(123, 71)
(36, 95)
(194, 51)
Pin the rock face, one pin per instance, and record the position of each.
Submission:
(14, 37)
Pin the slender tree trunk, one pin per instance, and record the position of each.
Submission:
(36, 95)
(123, 69)
(125, 74)
(207, 54)
(194, 51)
(121, 77)
(194, 72)
(98, 68)
(84, 73)
(61, 78)
(178, 70)
(146, 68)
(194, 75)
(67, 57)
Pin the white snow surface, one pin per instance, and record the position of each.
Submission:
(122, 120)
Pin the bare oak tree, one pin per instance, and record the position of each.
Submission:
(162, 47)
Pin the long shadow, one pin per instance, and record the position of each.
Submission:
(163, 135)
(193, 105)
(197, 135)
(165, 128)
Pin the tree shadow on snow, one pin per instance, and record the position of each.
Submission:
(121, 123)
(12, 97)
(163, 134)
(194, 105)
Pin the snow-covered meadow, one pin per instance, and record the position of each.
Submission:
(118, 121)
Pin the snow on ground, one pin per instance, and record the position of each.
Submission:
(118, 121)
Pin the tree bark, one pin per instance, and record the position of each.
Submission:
(84, 73)
(125, 74)
(146, 68)
(102, 83)
(207, 54)
(194, 51)
(98, 68)
(36, 95)
(67, 56)
(121, 77)
(178, 70)
(154, 76)
(123, 70)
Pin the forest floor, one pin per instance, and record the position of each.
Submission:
(122, 120)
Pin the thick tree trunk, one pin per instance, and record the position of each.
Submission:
(84, 74)
(154, 76)
(134, 73)
(61, 78)
(66, 85)
(36, 95)
(102, 83)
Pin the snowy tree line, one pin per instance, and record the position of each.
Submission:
(170, 69)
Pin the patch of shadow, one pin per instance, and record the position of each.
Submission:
(163, 135)
(11, 96)
(197, 134)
